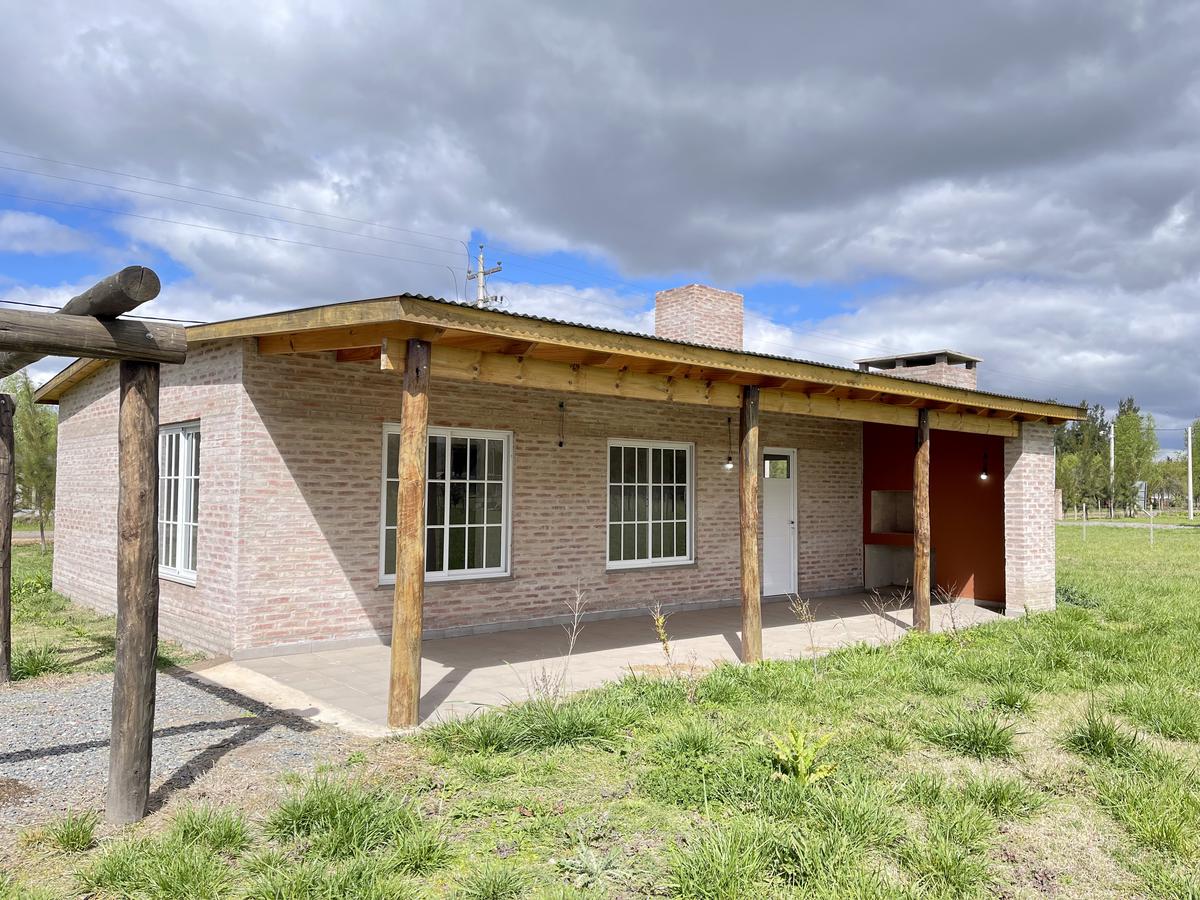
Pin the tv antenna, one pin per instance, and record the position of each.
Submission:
(482, 298)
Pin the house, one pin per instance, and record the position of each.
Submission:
(560, 457)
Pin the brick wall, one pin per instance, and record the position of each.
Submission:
(699, 314)
(939, 373)
(310, 502)
(207, 388)
(291, 452)
(1029, 519)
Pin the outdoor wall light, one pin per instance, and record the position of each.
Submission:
(729, 443)
(983, 474)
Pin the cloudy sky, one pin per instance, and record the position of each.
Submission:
(1014, 180)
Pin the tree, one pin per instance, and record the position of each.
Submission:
(1136, 449)
(35, 430)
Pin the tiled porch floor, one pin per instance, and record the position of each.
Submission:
(465, 674)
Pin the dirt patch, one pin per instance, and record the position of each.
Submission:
(13, 792)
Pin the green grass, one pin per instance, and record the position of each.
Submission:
(52, 636)
(1055, 754)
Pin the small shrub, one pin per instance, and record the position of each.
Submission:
(720, 864)
(976, 732)
(1163, 711)
(73, 833)
(795, 755)
(32, 662)
(493, 881)
(1100, 737)
(220, 830)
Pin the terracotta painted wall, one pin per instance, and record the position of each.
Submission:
(966, 513)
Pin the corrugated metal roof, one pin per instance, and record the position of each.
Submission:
(754, 353)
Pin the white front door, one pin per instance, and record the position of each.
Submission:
(779, 522)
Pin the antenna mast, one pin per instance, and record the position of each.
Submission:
(480, 275)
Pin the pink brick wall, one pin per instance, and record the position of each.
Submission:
(310, 503)
(1029, 519)
(207, 388)
(291, 450)
(939, 373)
(700, 315)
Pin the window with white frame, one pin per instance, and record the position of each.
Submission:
(467, 491)
(649, 503)
(178, 500)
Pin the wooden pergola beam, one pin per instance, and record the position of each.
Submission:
(8, 470)
(404, 687)
(748, 503)
(137, 594)
(108, 298)
(42, 334)
(921, 545)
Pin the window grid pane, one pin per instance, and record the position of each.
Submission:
(465, 491)
(648, 503)
(178, 498)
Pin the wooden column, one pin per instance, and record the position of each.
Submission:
(8, 471)
(921, 550)
(404, 689)
(751, 475)
(137, 593)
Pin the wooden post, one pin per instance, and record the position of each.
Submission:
(921, 550)
(8, 471)
(404, 689)
(751, 474)
(137, 594)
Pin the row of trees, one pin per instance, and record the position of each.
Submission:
(1083, 471)
(35, 432)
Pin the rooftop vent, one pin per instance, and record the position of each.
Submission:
(938, 366)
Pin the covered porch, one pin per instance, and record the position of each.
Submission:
(463, 675)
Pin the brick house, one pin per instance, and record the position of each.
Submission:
(560, 457)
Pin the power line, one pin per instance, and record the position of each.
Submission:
(143, 318)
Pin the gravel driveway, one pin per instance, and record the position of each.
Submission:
(209, 742)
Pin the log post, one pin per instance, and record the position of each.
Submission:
(404, 689)
(921, 551)
(8, 471)
(751, 559)
(137, 593)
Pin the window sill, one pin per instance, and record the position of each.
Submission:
(458, 579)
(177, 578)
(610, 569)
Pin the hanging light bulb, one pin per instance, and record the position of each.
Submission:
(729, 446)
(983, 474)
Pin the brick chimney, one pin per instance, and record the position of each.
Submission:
(938, 366)
(699, 314)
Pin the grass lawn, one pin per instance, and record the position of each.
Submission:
(52, 635)
(1049, 756)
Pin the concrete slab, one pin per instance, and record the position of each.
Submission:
(462, 675)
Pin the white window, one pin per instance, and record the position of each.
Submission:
(649, 503)
(467, 503)
(178, 500)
